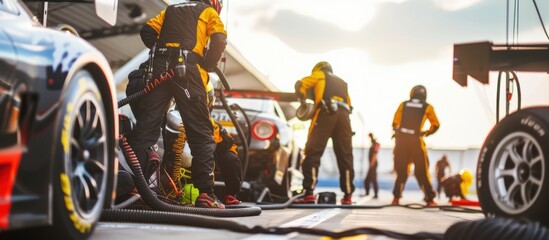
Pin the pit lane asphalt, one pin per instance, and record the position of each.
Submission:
(400, 219)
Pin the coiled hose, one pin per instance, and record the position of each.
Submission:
(150, 199)
(149, 87)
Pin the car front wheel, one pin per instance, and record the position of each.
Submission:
(83, 164)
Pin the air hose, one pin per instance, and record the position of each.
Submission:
(486, 229)
(507, 92)
(497, 228)
(174, 218)
(409, 206)
(235, 106)
(243, 140)
(149, 87)
(151, 200)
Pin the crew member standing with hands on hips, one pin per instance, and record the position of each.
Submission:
(409, 145)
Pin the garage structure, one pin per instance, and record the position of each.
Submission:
(122, 46)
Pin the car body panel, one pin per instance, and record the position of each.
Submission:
(41, 60)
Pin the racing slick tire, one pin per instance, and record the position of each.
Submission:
(512, 179)
(83, 172)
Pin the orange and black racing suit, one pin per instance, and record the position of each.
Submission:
(180, 28)
(327, 123)
(410, 147)
(226, 157)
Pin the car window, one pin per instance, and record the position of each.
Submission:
(8, 6)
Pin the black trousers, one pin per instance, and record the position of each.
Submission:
(230, 167)
(338, 127)
(439, 185)
(410, 149)
(371, 179)
(193, 110)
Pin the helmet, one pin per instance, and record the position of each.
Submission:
(305, 111)
(466, 175)
(216, 4)
(419, 92)
(466, 180)
(323, 65)
(211, 94)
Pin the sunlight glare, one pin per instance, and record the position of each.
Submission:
(455, 5)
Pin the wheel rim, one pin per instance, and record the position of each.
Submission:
(87, 160)
(516, 173)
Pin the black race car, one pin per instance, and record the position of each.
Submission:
(58, 128)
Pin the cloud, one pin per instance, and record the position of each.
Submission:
(348, 15)
(398, 33)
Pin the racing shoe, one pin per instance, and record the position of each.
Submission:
(230, 199)
(205, 200)
(395, 202)
(307, 199)
(347, 199)
(431, 204)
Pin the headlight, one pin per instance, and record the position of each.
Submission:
(263, 130)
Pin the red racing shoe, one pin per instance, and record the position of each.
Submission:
(307, 199)
(205, 200)
(347, 199)
(230, 199)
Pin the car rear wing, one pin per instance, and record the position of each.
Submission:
(478, 58)
(105, 9)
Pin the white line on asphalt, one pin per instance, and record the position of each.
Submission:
(304, 222)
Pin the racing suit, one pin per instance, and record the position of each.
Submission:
(328, 90)
(177, 37)
(409, 145)
(226, 156)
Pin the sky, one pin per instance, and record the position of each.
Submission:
(383, 48)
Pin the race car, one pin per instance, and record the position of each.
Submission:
(58, 129)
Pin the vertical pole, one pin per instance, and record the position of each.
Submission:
(42, 13)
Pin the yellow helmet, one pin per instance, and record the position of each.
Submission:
(323, 65)
(466, 175)
(466, 180)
